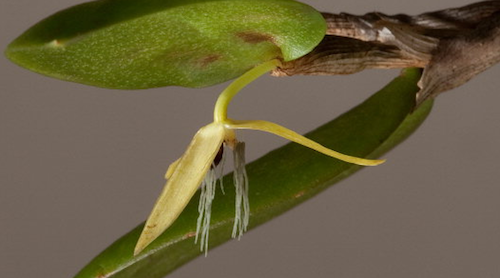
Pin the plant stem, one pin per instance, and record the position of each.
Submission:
(220, 110)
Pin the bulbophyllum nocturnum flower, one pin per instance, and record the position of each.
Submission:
(195, 167)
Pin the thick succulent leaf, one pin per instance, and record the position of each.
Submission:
(279, 181)
(136, 44)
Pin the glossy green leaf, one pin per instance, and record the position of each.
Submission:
(137, 44)
(279, 181)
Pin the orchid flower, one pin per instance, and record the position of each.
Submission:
(194, 167)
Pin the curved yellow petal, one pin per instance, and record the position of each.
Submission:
(297, 138)
(186, 175)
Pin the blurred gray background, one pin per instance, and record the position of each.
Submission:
(80, 166)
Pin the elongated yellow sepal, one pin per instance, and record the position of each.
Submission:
(185, 178)
(297, 138)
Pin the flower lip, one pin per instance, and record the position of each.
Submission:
(218, 157)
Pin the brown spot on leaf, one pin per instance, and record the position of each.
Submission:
(207, 60)
(102, 274)
(255, 37)
(189, 235)
(299, 194)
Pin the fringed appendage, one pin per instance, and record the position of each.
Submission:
(207, 195)
(208, 188)
(205, 208)
(240, 179)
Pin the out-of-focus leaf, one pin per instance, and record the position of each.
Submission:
(279, 181)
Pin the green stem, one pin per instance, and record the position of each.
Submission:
(220, 110)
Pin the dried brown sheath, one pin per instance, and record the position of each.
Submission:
(460, 58)
(452, 45)
(338, 55)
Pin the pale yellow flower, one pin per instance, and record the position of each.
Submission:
(190, 171)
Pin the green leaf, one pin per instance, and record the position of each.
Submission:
(137, 44)
(279, 181)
